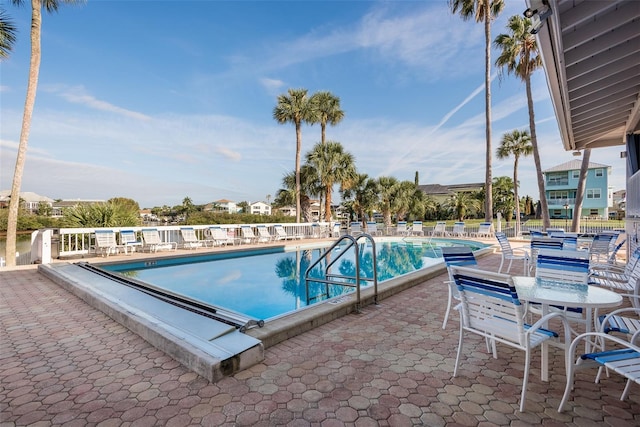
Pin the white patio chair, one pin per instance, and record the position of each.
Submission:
(247, 234)
(458, 256)
(372, 228)
(508, 253)
(263, 234)
(416, 228)
(355, 228)
(490, 307)
(219, 236)
(153, 242)
(613, 276)
(440, 229)
(401, 228)
(281, 233)
(601, 246)
(485, 229)
(129, 241)
(624, 360)
(458, 229)
(190, 240)
(106, 243)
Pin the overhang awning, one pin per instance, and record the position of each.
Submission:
(591, 54)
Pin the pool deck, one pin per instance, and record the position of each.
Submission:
(63, 362)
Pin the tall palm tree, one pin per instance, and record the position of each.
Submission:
(517, 144)
(328, 110)
(294, 107)
(334, 165)
(32, 86)
(7, 34)
(363, 195)
(582, 183)
(520, 56)
(483, 11)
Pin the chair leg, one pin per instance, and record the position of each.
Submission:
(509, 268)
(455, 368)
(501, 262)
(449, 303)
(525, 379)
(625, 393)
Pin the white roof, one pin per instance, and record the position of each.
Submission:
(574, 165)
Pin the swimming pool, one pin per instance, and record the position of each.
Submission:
(269, 282)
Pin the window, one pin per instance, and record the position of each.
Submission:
(593, 193)
(593, 212)
(599, 172)
(575, 174)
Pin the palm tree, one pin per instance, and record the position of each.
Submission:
(7, 34)
(463, 204)
(32, 86)
(328, 111)
(582, 182)
(295, 108)
(407, 198)
(362, 195)
(387, 187)
(483, 11)
(519, 144)
(309, 185)
(334, 165)
(520, 56)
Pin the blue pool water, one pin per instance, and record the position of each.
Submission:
(269, 282)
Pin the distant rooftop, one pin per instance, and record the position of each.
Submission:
(573, 165)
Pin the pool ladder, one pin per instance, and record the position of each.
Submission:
(342, 280)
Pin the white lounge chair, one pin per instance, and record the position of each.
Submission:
(281, 233)
(219, 236)
(485, 229)
(355, 228)
(458, 229)
(416, 228)
(440, 229)
(106, 242)
(190, 239)
(247, 234)
(508, 253)
(263, 234)
(372, 228)
(154, 243)
(401, 228)
(129, 241)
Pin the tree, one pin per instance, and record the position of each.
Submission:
(334, 165)
(517, 144)
(503, 199)
(327, 111)
(362, 195)
(32, 86)
(483, 11)
(462, 204)
(295, 108)
(387, 186)
(407, 198)
(7, 34)
(519, 55)
(582, 183)
(309, 185)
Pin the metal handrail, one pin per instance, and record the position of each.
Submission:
(328, 277)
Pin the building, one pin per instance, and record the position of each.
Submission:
(222, 205)
(590, 56)
(561, 187)
(30, 201)
(260, 208)
(442, 193)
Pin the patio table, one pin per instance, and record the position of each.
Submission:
(566, 295)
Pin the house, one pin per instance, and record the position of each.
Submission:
(30, 201)
(561, 186)
(222, 205)
(260, 208)
(58, 207)
(442, 193)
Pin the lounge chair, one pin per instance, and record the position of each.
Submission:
(153, 242)
(485, 229)
(129, 241)
(401, 228)
(106, 243)
(247, 234)
(219, 236)
(458, 230)
(190, 239)
(263, 234)
(319, 231)
(372, 228)
(601, 246)
(355, 228)
(336, 232)
(281, 233)
(416, 228)
(440, 229)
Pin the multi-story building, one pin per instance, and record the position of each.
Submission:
(561, 186)
(260, 208)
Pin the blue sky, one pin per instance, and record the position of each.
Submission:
(157, 101)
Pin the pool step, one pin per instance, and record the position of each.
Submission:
(207, 346)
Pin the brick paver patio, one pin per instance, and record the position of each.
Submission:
(63, 362)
